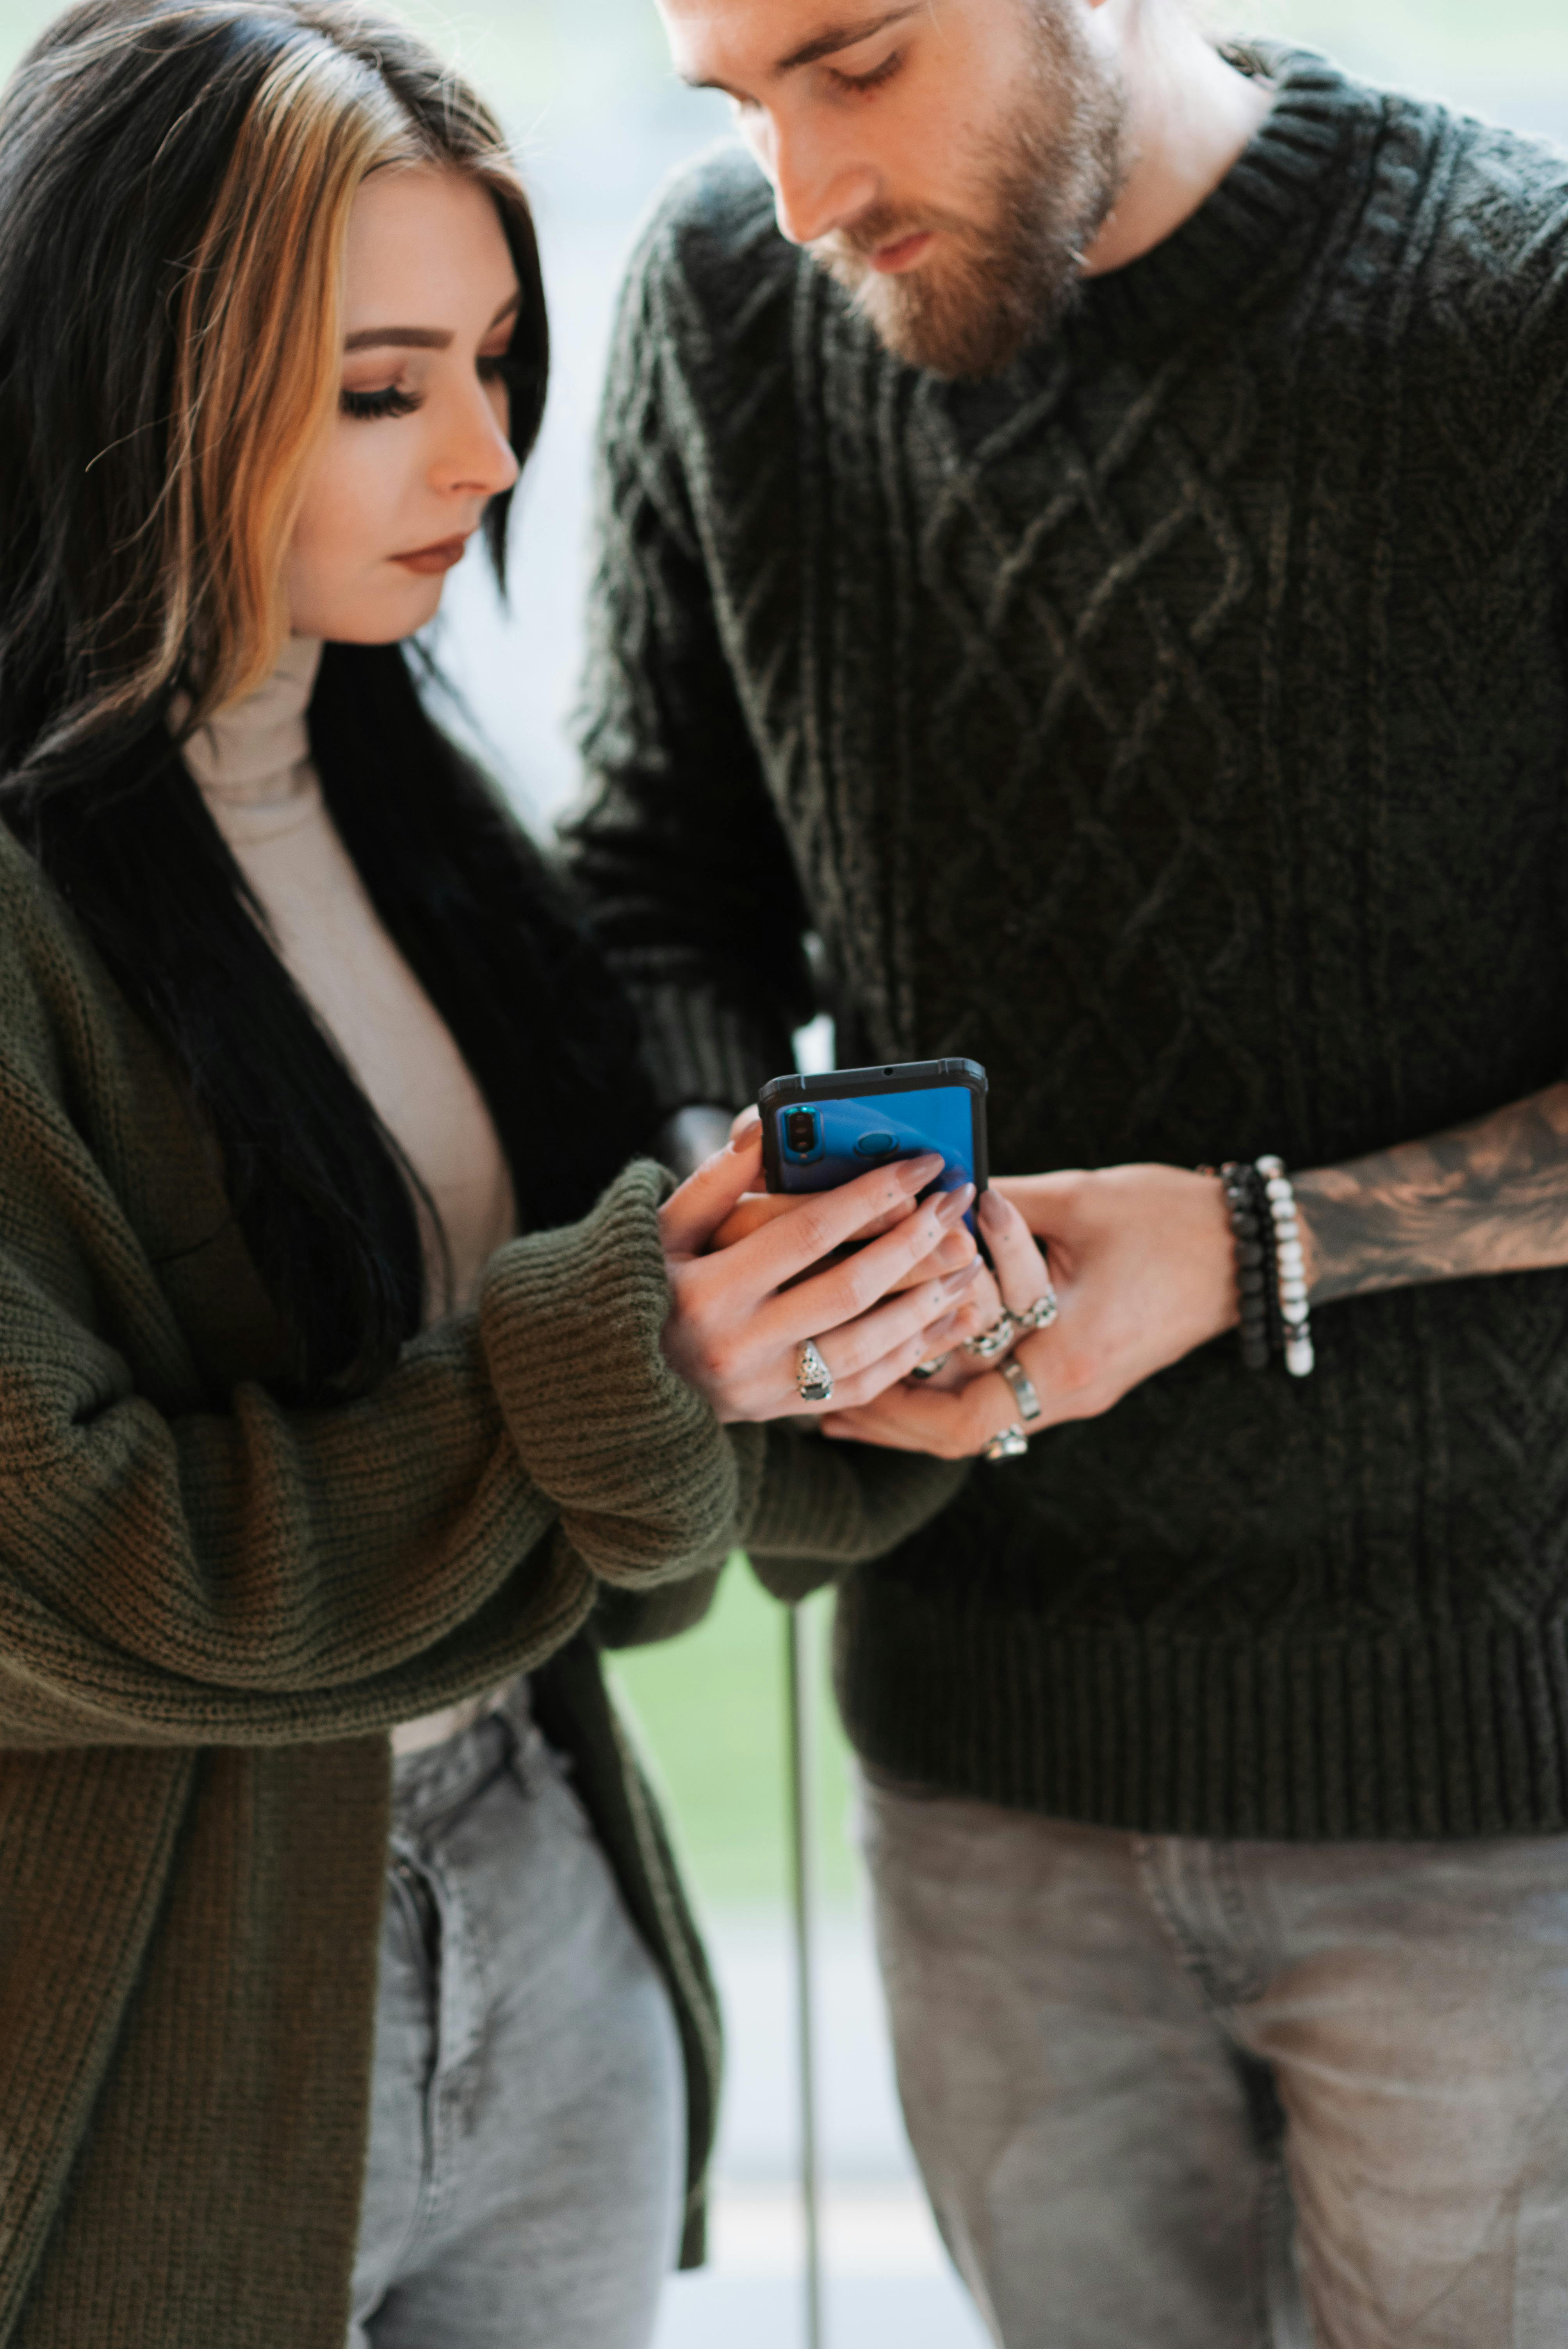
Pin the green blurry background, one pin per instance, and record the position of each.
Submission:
(589, 97)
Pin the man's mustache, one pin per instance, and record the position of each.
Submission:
(872, 231)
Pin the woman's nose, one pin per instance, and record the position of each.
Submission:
(476, 455)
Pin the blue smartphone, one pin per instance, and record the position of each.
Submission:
(819, 1132)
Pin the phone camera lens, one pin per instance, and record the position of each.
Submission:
(800, 1132)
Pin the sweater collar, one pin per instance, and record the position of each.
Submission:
(1285, 175)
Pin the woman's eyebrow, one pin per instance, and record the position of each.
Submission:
(402, 338)
(421, 339)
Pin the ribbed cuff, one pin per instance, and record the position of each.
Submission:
(819, 1507)
(698, 1047)
(647, 1482)
(1421, 1734)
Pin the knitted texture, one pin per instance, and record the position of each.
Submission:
(1176, 725)
(213, 1606)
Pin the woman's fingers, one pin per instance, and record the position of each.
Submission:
(858, 1345)
(953, 1251)
(691, 1214)
(756, 1210)
(822, 1221)
(849, 1288)
(760, 1208)
(884, 1373)
(1021, 1271)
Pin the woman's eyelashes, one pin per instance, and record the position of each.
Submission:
(391, 400)
(397, 400)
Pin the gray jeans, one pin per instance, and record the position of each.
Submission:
(527, 2136)
(1133, 2069)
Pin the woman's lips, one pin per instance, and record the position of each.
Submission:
(439, 557)
(902, 254)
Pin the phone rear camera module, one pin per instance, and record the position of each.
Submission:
(800, 1133)
(876, 1145)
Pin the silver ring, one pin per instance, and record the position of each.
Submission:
(1041, 1313)
(992, 1342)
(1010, 1443)
(1023, 1387)
(813, 1378)
(929, 1370)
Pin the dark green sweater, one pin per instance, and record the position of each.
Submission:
(212, 1606)
(1177, 725)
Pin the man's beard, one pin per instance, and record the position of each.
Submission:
(1013, 271)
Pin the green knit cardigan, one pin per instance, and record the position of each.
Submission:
(211, 1609)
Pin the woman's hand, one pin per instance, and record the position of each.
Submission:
(756, 1210)
(741, 1314)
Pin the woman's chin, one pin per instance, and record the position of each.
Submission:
(383, 619)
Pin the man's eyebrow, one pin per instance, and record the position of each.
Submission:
(826, 44)
(843, 36)
(420, 338)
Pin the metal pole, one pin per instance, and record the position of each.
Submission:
(802, 1847)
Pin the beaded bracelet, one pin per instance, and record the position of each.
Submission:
(1253, 1230)
(1291, 1282)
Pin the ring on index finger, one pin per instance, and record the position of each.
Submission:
(813, 1378)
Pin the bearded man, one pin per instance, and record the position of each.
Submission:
(1083, 533)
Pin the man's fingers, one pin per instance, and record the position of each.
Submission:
(1021, 1271)
(914, 1419)
(690, 1216)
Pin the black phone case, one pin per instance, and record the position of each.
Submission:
(846, 1084)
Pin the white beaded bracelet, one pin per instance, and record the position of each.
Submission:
(1299, 1357)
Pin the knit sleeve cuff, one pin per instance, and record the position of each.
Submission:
(647, 1482)
(699, 1046)
(818, 1508)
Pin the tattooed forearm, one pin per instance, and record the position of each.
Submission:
(1488, 1197)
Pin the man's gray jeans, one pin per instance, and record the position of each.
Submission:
(528, 2115)
(1134, 2068)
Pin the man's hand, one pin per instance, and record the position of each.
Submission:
(1143, 1264)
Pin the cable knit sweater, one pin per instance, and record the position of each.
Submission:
(211, 1609)
(1179, 726)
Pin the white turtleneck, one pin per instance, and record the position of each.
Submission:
(251, 764)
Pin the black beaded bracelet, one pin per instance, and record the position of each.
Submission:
(1253, 1229)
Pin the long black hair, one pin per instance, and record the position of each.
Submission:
(132, 566)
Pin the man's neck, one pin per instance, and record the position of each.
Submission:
(1189, 116)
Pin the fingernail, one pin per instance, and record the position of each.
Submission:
(914, 1173)
(954, 1204)
(957, 1282)
(992, 1210)
(745, 1133)
(938, 1329)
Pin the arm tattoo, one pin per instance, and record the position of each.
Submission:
(1488, 1197)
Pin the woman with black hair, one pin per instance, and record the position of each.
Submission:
(354, 1388)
